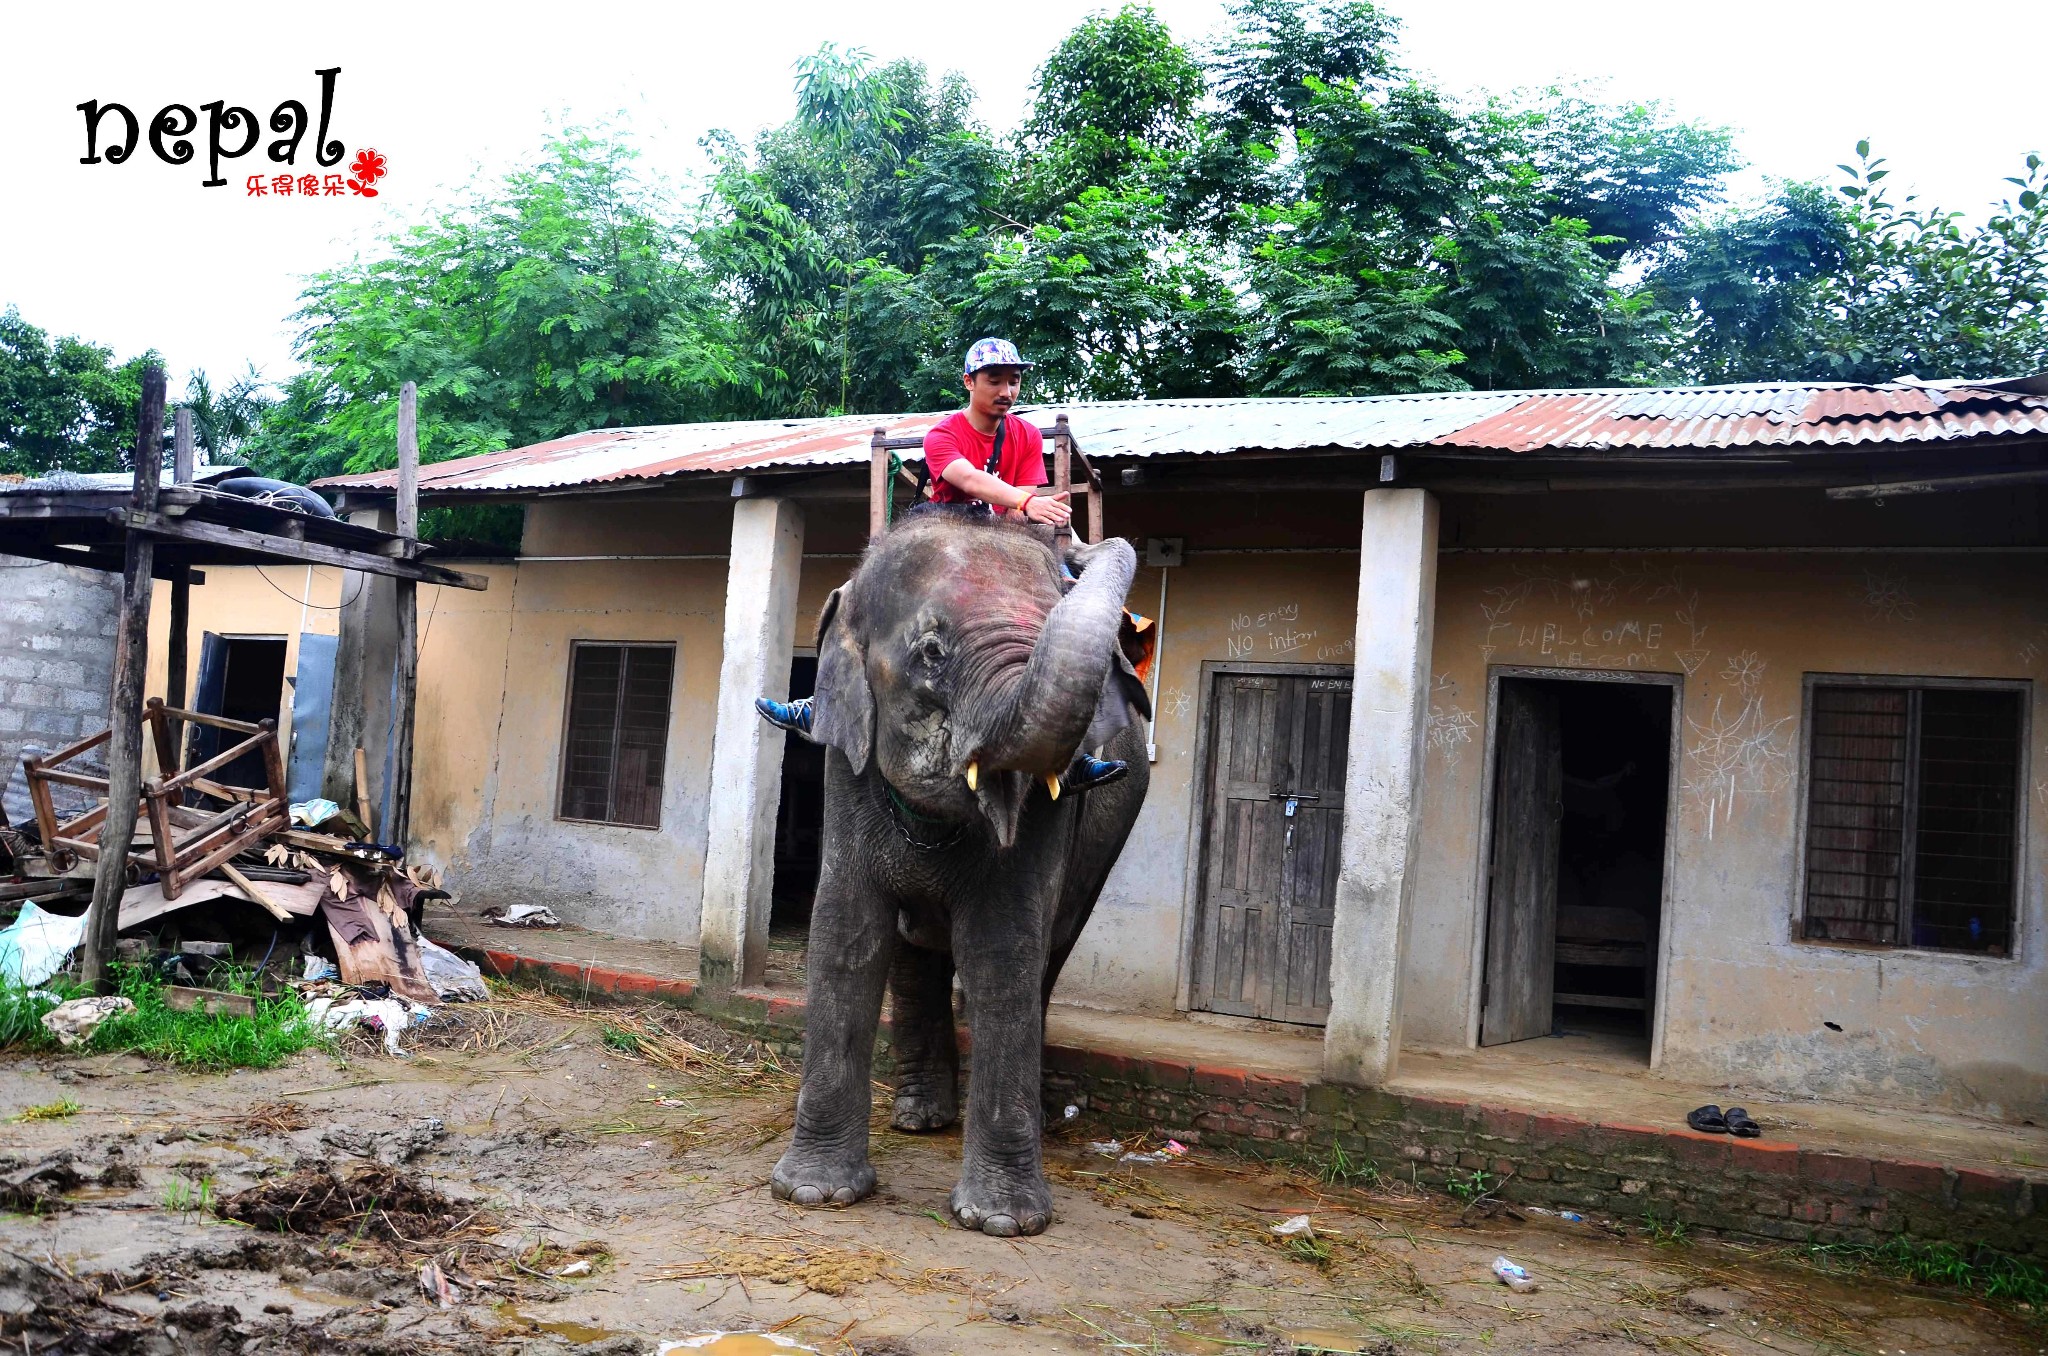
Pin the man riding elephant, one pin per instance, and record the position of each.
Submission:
(959, 671)
(986, 460)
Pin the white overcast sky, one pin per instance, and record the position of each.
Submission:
(139, 254)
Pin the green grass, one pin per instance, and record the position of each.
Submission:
(1469, 1189)
(1979, 1270)
(1338, 1168)
(58, 1110)
(1665, 1232)
(185, 1197)
(279, 1030)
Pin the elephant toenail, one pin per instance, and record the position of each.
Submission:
(807, 1195)
(970, 1216)
(999, 1226)
(843, 1196)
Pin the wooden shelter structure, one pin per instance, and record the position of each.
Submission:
(885, 468)
(156, 531)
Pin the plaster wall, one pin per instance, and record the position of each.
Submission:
(1742, 998)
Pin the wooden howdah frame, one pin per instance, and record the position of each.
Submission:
(184, 842)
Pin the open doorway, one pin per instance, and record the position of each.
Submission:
(799, 820)
(240, 678)
(1575, 889)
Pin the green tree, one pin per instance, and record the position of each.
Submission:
(222, 420)
(568, 297)
(65, 404)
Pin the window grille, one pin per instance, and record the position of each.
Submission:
(616, 733)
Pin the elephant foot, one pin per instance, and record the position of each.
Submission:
(1002, 1208)
(918, 1110)
(821, 1179)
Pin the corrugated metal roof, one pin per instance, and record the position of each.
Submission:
(1705, 417)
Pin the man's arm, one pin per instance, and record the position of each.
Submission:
(971, 480)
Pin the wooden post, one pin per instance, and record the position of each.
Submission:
(176, 656)
(1063, 475)
(879, 488)
(131, 662)
(405, 694)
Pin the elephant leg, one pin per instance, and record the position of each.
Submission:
(1002, 1188)
(853, 936)
(921, 1035)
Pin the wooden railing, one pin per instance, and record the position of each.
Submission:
(184, 842)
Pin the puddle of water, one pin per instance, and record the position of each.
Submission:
(577, 1333)
(1317, 1340)
(734, 1344)
(314, 1295)
(98, 1193)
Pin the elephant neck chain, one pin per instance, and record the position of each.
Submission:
(900, 812)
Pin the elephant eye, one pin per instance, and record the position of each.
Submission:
(928, 649)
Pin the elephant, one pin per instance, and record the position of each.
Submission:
(959, 669)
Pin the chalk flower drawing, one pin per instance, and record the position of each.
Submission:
(1743, 753)
(1450, 727)
(1886, 597)
(1178, 703)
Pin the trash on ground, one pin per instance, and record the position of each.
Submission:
(315, 812)
(452, 977)
(1288, 1228)
(1108, 1148)
(524, 916)
(390, 1016)
(1156, 1156)
(72, 1023)
(1514, 1277)
(1071, 1112)
(317, 969)
(732, 1343)
(1175, 1148)
(579, 1267)
(36, 944)
(437, 1288)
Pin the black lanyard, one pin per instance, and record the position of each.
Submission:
(995, 461)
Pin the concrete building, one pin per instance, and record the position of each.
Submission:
(1707, 722)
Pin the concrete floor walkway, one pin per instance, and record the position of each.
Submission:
(1591, 1077)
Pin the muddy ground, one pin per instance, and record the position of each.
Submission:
(576, 1196)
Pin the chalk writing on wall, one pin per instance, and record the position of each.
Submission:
(1449, 727)
(2034, 646)
(1616, 612)
(1885, 597)
(1729, 755)
(1270, 634)
(1339, 652)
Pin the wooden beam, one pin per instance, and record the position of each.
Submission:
(879, 488)
(406, 688)
(1063, 478)
(131, 666)
(304, 552)
(1941, 484)
(176, 652)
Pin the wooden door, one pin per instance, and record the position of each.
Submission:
(1269, 877)
(1528, 807)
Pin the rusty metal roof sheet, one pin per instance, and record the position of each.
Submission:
(1708, 418)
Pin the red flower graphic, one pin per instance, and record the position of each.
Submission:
(367, 170)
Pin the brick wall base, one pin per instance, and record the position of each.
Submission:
(1632, 1173)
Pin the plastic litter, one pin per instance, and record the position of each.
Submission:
(1288, 1228)
(524, 916)
(1174, 1147)
(313, 813)
(735, 1342)
(36, 944)
(317, 968)
(1071, 1112)
(391, 1016)
(437, 1286)
(1156, 1156)
(454, 978)
(579, 1267)
(1514, 1277)
(1108, 1148)
(72, 1023)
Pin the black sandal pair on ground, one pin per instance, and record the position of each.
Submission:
(1714, 1121)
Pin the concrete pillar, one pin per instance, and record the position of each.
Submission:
(746, 751)
(1382, 785)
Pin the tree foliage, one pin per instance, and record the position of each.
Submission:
(65, 404)
(1282, 209)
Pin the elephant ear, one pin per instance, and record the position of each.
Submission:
(844, 707)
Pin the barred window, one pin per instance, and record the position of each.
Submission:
(1912, 815)
(617, 732)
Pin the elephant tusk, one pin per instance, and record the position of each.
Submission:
(1052, 785)
(974, 776)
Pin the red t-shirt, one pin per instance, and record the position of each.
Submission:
(954, 438)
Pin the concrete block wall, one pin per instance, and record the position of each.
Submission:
(56, 654)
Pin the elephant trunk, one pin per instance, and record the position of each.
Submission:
(1055, 699)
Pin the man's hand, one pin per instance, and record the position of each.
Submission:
(1050, 509)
